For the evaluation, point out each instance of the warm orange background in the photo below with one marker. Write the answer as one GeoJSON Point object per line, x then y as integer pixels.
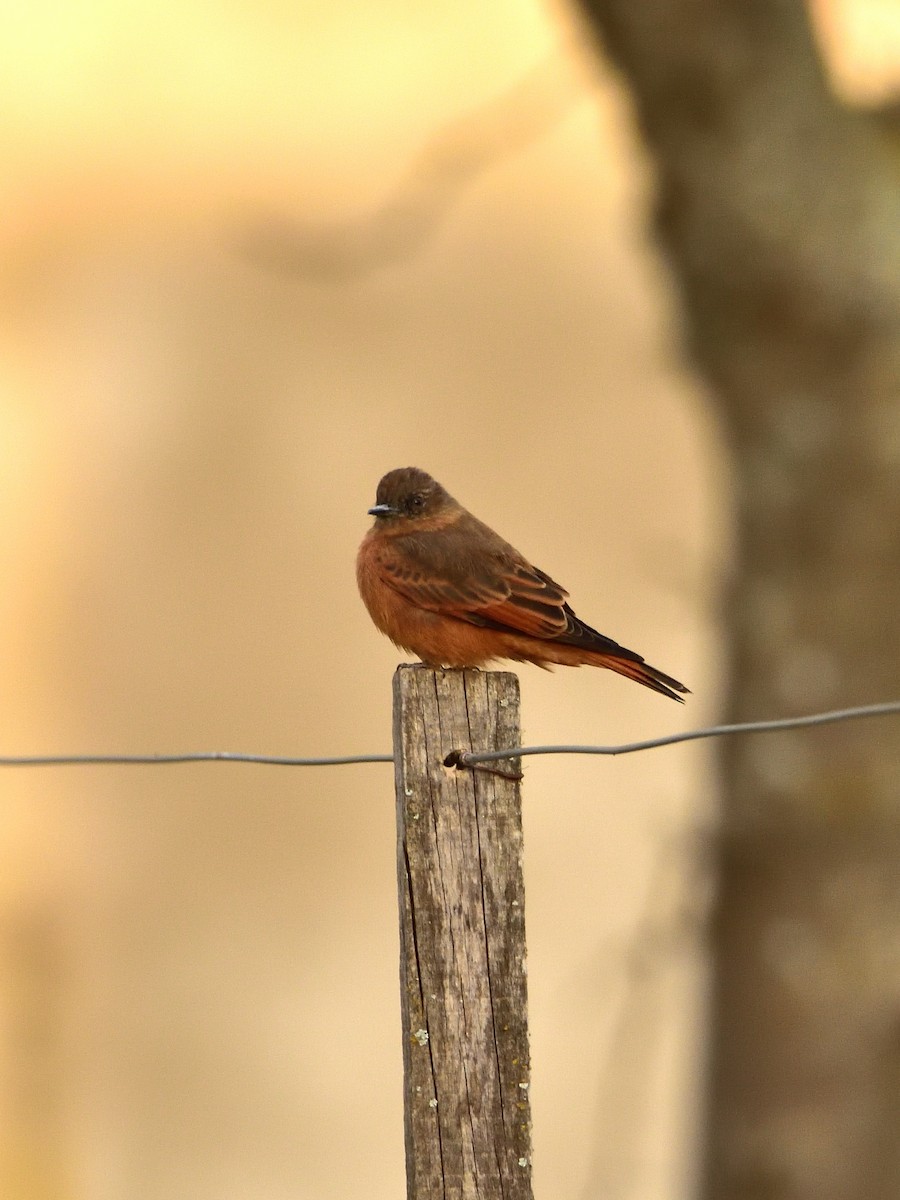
{"type": "Point", "coordinates": [198, 965]}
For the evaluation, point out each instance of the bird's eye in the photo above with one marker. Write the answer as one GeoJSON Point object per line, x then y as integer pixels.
{"type": "Point", "coordinates": [416, 501]}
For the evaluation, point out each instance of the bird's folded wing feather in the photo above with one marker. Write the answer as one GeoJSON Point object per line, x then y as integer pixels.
{"type": "Point", "coordinates": [500, 589]}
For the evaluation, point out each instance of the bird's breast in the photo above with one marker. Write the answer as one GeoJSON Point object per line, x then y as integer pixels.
{"type": "Point", "coordinates": [437, 638]}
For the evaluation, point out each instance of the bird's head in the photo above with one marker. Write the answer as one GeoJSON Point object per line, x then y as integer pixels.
{"type": "Point", "coordinates": [409, 494]}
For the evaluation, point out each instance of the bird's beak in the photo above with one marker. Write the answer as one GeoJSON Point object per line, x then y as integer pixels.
{"type": "Point", "coordinates": [381, 510]}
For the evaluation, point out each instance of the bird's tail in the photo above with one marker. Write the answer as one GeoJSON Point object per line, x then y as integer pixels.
{"type": "Point", "coordinates": [640, 672]}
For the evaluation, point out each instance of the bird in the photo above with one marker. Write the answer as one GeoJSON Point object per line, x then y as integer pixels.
{"type": "Point", "coordinates": [443, 585]}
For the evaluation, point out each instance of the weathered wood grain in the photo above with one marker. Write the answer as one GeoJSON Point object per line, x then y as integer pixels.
{"type": "Point", "coordinates": [462, 940]}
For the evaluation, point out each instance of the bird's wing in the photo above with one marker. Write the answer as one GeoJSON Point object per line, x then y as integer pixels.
{"type": "Point", "coordinates": [494, 587]}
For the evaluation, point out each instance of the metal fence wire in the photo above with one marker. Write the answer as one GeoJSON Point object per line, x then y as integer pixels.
{"type": "Point", "coordinates": [462, 758]}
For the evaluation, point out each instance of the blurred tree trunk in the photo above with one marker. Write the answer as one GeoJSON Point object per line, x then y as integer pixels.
{"type": "Point", "coordinates": [779, 211]}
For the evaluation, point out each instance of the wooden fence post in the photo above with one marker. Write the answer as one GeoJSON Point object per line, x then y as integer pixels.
{"type": "Point", "coordinates": [467, 1112]}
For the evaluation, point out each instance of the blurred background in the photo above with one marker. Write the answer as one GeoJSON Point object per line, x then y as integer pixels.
{"type": "Point", "coordinates": [251, 258]}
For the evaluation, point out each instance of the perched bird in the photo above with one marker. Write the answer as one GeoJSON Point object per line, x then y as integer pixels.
{"type": "Point", "coordinates": [442, 584]}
